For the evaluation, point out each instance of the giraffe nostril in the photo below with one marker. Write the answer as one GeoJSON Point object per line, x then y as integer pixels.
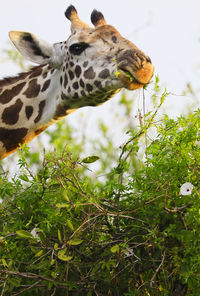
{"type": "Point", "coordinates": [148, 60]}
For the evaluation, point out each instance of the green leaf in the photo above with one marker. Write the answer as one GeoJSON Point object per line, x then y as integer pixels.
{"type": "Point", "coordinates": [24, 178]}
{"type": "Point", "coordinates": [62, 205]}
{"type": "Point", "coordinates": [117, 73]}
{"type": "Point", "coordinates": [59, 235]}
{"type": "Point", "coordinates": [70, 225]}
{"type": "Point", "coordinates": [4, 262]}
{"type": "Point", "coordinates": [130, 76]}
{"type": "Point", "coordinates": [62, 255]}
{"type": "Point", "coordinates": [115, 249]}
{"type": "Point", "coordinates": [24, 234]}
{"type": "Point", "coordinates": [53, 274]}
{"type": "Point", "coordinates": [90, 159]}
{"type": "Point", "coordinates": [56, 246]}
{"type": "Point", "coordinates": [40, 253]}
{"type": "Point", "coordinates": [74, 242]}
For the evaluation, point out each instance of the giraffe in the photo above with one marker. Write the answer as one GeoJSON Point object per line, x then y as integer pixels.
{"type": "Point", "coordinates": [87, 69]}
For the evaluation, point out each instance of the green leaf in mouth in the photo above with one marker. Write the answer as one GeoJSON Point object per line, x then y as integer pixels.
{"type": "Point", "coordinates": [129, 75]}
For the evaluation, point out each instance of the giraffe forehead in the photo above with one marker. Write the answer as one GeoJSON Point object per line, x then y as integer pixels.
{"type": "Point", "coordinates": [99, 33]}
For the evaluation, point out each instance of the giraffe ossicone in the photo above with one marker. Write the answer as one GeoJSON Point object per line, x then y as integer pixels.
{"type": "Point", "coordinates": [87, 69]}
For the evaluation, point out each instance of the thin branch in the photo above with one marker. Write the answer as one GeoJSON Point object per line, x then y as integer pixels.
{"type": "Point", "coordinates": [141, 132]}
{"type": "Point", "coordinates": [44, 255]}
{"type": "Point", "coordinates": [177, 209]}
{"type": "Point", "coordinates": [31, 275]}
{"type": "Point", "coordinates": [144, 116]}
{"type": "Point", "coordinates": [85, 222]}
{"type": "Point", "coordinates": [28, 288]}
{"type": "Point", "coordinates": [4, 285]}
{"type": "Point", "coordinates": [157, 269]}
{"type": "Point", "coordinates": [54, 292]}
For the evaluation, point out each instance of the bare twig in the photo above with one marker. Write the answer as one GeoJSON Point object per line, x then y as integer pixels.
{"type": "Point", "coordinates": [44, 255]}
{"type": "Point", "coordinates": [157, 269]}
{"type": "Point", "coordinates": [31, 275]}
{"type": "Point", "coordinates": [177, 209]}
{"type": "Point", "coordinates": [85, 222]}
{"type": "Point", "coordinates": [28, 288]}
{"type": "Point", "coordinates": [4, 285]}
{"type": "Point", "coordinates": [141, 132]}
{"type": "Point", "coordinates": [54, 292]}
{"type": "Point", "coordinates": [144, 114]}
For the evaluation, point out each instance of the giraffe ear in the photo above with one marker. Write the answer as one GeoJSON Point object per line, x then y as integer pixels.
{"type": "Point", "coordinates": [32, 48]}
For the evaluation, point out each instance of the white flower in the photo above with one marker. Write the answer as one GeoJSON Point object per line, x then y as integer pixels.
{"type": "Point", "coordinates": [186, 189]}
{"type": "Point", "coordinates": [129, 252]}
{"type": "Point", "coordinates": [34, 233]}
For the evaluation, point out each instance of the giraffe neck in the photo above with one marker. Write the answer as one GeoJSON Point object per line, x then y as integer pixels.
{"type": "Point", "coordinates": [34, 100]}
{"type": "Point", "coordinates": [28, 105]}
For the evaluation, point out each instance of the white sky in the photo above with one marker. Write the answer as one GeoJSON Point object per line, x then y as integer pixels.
{"type": "Point", "coordinates": [167, 30]}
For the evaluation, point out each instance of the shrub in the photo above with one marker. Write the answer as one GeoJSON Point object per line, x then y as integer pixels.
{"type": "Point", "coordinates": [129, 232]}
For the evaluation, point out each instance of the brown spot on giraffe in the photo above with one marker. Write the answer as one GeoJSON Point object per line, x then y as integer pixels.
{"type": "Point", "coordinates": [44, 75]}
{"type": "Point", "coordinates": [98, 84]}
{"type": "Point", "coordinates": [85, 64]}
{"type": "Point", "coordinates": [61, 111]}
{"type": "Point", "coordinates": [71, 75]}
{"type": "Point", "coordinates": [64, 97]}
{"type": "Point", "coordinates": [37, 72]}
{"type": "Point", "coordinates": [89, 73]}
{"type": "Point", "coordinates": [75, 96]}
{"type": "Point", "coordinates": [32, 90]}
{"type": "Point", "coordinates": [46, 85]}
{"type": "Point", "coordinates": [29, 111]}
{"type": "Point", "coordinates": [89, 87]}
{"type": "Point", "coordinates": [78, 71]}
{"type": "Point", "coordinates": [65, 80]}
{"type": "Point", "coordinates": [41, 109]}
{"type": "Point", "coordinates": [104, 74]}
{"type": "Point", "coordinates": [11, 138]}
{"type": "Point", "coordinates": [9, 94]}
{"type": "Point", "coordinates": [82, 84]}
{"type": "Point", "coordinates": [10, 115]}
{"type": "Point", "coordinates": [75, 85]}
{"type": "Point", "coordinates": [83, 94]}
{"type": "Point", "coordinates": [114, 39]}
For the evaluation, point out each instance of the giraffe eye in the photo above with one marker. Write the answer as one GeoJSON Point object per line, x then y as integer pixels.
{"type": "Point", "coordinates": [78, 48]}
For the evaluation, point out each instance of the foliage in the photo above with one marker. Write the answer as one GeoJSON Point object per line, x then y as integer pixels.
{"type": "Point", "coordinates": [95, 219]}
{"type": "Point", "coordinates": [128, 232]}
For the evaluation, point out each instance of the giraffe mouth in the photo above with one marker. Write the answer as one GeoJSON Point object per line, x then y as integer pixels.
{"type": "Point", "coordinates": [130, 76]}
{"type": "Point", "coordinates": [134, 78]}
{"type": "Point", "coordinates": [128, 79]}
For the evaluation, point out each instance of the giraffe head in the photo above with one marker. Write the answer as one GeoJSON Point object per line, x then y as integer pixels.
{"type": "Point", "coordinates": [94, 62]}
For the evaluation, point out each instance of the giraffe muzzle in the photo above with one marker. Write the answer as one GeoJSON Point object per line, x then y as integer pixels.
{"type": "Point", "coordinates": [135, 70]}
